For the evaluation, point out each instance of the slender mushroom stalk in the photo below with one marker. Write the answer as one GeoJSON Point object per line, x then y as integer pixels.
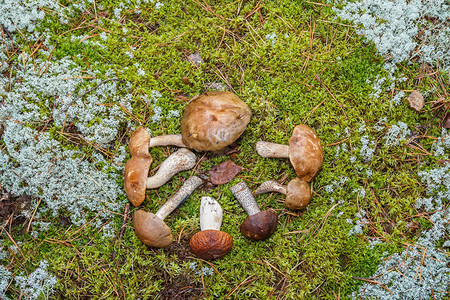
{"type": "Point", "coordinates": [270, 186]}
{"type": "Point", "coordinates": [167, 140]}
{"type": "Point", "coordinates": [259, 225]}
{"type": "Point", "coordinates": [298, 192]}
{"type": "Point", "coordinates": [136, 169]}
{"type": "Point", "coordinates": [304, 151]}
{"type": "Point", "coordinates": [267, 149]}
{"type": "Point", "coordinates": [210, 122]}
{"type": "Point", "coordinates": [150, 228]}
{"type": "Point", "coordinates": [210, 243]}
{"type": "Point", "coordinates": [181, 160]}
{"type": "Point", "coordinates": [188, 187]}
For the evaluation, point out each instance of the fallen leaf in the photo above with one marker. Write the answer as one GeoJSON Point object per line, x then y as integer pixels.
{"type": "Point", "coordinates": [415, 100]}
{"type": "Point", "coordinates": [224, 172]}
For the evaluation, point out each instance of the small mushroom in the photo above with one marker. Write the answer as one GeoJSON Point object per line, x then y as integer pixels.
{"type": "Point", "coordinates": [259, 225]}
{"type": "Point", "coordinates": [304, 151]}
{"type": "Point", "coordinates": [298, 192]}
{"type": "Point", "coordinates": [181, 160]}
{"type": "Point", "coordinates": [210, 243]}
{"type": "Point", "coordinates": [150, 228]}
{"type": "Point", "coordinates": [136, 169]}
{"type": "Point", "coordinates": [210, 122]}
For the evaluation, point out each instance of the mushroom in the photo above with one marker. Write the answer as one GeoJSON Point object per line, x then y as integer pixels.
{"type": "Point", "coordinates": [210, 122]}
{"type": "Point", "coordinates": [298, 192]}
{"type": "Point", "coordinates": [181, 160]}
{"type": "Point", "coordinates": [259, 225]}
{"type": "Point", "coordinates": [150, 228]}
{"type": "Point", "coordinates": [136, 169]}
{"type": "Point", "coordinates": [304, 151]}
{"type": "Point", "coordinates": [210, 243]}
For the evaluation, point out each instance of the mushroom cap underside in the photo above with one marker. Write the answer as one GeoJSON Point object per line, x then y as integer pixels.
{"type": "Point", "coordinates": [214, 120]}
{"type": "Point", "coordinates": [136, 172]}
{"type": "Point", "coordinates": [151, 230]}
{"type": "Point", "coordinates": [305, 152]}
{"type": "Point", "coordinates": [259, 226]}
{"type": "Point", "coordinates": [298, 194]}
{"type": "Point", "coordinates": [211, 244]}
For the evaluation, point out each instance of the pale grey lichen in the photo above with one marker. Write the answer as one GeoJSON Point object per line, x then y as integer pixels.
{"type": "Point", "coordinates": [402, 30]}
{"type": "Point", "coordinates": [396, 134]}
{"type": "Point", "coordinates": [37, 284]}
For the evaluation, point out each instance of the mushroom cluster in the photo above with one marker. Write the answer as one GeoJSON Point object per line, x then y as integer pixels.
{"type": "Point", "coordinates": [211, 122]}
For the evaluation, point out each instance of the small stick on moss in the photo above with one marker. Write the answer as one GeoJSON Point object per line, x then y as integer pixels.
{"type": "Point", "coordinates": [124, 220]}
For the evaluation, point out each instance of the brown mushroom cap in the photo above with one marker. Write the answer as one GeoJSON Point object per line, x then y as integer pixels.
{"type": "Point", "coordinates": [259, 226]}
{"type": "Point", "coordinates": [298, 194]}
{"type": "Point", "coordinates": [139, 142]}
{"type": "Point", "coordinates": [305, 152]}
{"type": "Point", "coordinates": [214, 120]}
{"type": "Point", "coordinates": [151, 229]}
{"type": "Point", "coordinates": [211, 244]}
{"type": "Point", "coordinates": [136, 169]}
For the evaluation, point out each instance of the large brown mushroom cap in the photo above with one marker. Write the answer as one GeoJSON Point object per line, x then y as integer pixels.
{"type": "Point", "coordinates": [139, 142]}
{"type": "Point", "coordinates": [298, 194]}
{"type": "Point", "coordinates": [136, 169]}
{"type": "Point", "coordinates": [136, 172]}
{"type": "Point", "coordinates": [214, 120]}
{"type": "Point", "coordinates": [151, 229]}
{"type": "Point", "coordinates": [211, 244]}
{"type": "Point", "coordinates": [259, 226]}
{"type": "Point", "coordinates": [305, 152]}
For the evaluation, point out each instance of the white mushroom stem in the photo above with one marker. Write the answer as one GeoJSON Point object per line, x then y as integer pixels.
{"type": "Point", "coordinates": [210, 214]}
{"type": "Point", "coordinates": [244, 195]}
{"type": "Point", "coordinates": [167, 140]}
{"type": "Point", "coordinates": [181, 160]}
{"type": "Point", "coordinates": [188, 187]}
{"type": "Point", "coordinates": [270, 186]}
{"type": "Point", "coordinates": [267, 149]}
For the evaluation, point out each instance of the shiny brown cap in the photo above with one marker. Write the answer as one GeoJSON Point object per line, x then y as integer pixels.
{"type": "Point", "coordinates": [136, 169]}
{"type": "Point", "coordinates": [211, 244]}
{"type": "Point", "coordinates": [305, 152]}
{"type": "Point", "coordinates": [298, 194]}
{"type": "Point", "coordinates": [260, 226]}
{"type": "Point", "coordinates": [139, 142]}
{"type": "Point", "coordinates": [151, 230]}
{"type": "Point", "coordinates": [214, 120]}
{"type": "Point", "coordinates": [136, 173]}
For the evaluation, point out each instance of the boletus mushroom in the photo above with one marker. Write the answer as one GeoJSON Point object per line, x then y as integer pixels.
{"type": "Point", "coordinates": [136, 169]}
{"type": "Point", "coordinates": [210, 243]}
{"type": "Point", "coordinates": [259, 225]}
{"type": "Point", "coordinates": [304, 152]}
{"type": "Point", "coordinates": [210, 122]}
{"type": "Point", "coordinates": [150, 228]}
{"type": "Point", "coordinates": [297, 191]}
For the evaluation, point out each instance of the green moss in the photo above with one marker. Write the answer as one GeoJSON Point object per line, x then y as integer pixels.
{"type": "Point", "coordinates": [311, 255]}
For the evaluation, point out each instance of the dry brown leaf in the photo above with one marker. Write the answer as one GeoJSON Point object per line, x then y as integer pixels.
{"type": "Point", "coordinates": [224, 172]}
{"type": "Point", "coordinates": [415, 100]}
